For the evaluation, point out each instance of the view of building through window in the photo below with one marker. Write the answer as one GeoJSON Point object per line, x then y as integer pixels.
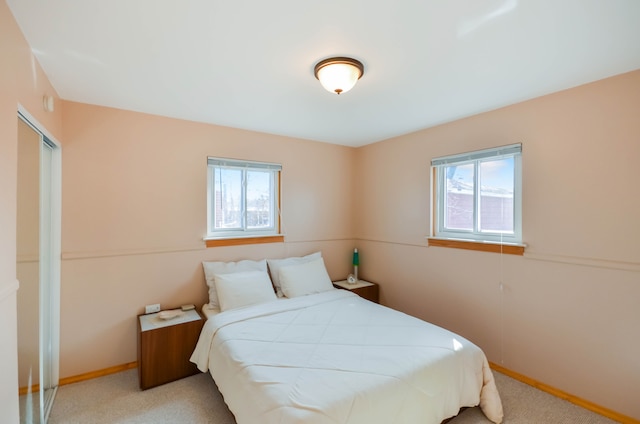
{"type": "Point", "coordinates": [231, 199]}
{"type": "Point", "coordinates": [495, 200]}
{"type": "Point", "coordinates": [477, 195]}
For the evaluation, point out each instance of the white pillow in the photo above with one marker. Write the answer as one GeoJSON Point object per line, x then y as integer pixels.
{"type": "Point", "coordinates": [276, 264]}
{"type": "Point", "coordinates": [213, 268]}
{"type": "Point", "coordinates": [306, 278]}
{"type": "Point", "coordinates": [243, 288]}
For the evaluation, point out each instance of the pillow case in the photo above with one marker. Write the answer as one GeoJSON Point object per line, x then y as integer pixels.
{"type": "Point", "coordinates": [306, 278]}
{"type": "Point", "coordinates": [212, 268]}
{"type": "Point", "coordinates": [276, 264]}
{"type": "Point", "coordinates": [243, 289]}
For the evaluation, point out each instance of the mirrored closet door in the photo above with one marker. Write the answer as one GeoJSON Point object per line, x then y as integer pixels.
{"type": "Point", "coordinates": [38, 269]}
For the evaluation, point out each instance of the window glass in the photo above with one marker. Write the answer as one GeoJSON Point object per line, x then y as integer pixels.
{"type": "Point", "coordinates": [227, 198]}
{"type": "Point", "coordinates": [497, 184]}
{"type": "Point", "coordinates": [243, 199]}
{"type": "Point", "coordinates": [477, 195]}
{"type": "Point", "coordinates": [259, 188]}
{"type": "Point", "coordinates": [459, 197]}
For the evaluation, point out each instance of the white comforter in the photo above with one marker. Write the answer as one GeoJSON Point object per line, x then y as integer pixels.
{"type": "Point", "coordinates": [336, 358]}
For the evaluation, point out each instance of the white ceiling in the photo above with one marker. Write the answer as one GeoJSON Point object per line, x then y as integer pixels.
{"type": "Point", "coordinates": [249, 63]}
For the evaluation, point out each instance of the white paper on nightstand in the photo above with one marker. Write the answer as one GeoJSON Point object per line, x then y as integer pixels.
{"type": "Point", "coordinates": [356, 285]}
{"type": "Point", "coordinates": [152, 321]}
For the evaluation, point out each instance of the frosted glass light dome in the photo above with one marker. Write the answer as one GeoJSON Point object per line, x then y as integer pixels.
{"type": "Point", "coordinates": [338, 74]}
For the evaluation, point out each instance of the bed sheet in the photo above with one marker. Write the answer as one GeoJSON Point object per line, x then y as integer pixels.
{"type": "Point", "coordinates": [334, 357]}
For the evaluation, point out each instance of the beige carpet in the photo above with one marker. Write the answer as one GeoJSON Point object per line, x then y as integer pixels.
{"type": "Point", "coordinates": [117, 399]}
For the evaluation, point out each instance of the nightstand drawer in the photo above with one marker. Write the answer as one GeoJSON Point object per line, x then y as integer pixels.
{"type": "Point", "coordinates": [165, 346]}
{"type": "Point", "coordinates": [364, 289]}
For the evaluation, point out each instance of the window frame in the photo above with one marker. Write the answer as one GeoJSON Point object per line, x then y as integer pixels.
{"type": "Point", "coordinates": [243, 235]}
{"type": "Point", "coordinates": [438, 185]}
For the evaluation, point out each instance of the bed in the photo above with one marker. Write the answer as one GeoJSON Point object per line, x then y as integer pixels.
{"type": "Point", "coordinates": [309, 353]}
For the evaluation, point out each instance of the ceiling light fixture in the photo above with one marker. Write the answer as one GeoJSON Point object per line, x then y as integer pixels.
{"type": "Point", "coordinates": [338, 74]}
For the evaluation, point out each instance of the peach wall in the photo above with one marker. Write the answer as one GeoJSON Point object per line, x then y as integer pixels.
{"type": "Point", "coordinates": [134, 215]}
{"type": "Point", "coordinates": [132, 229]}
{"type": "Point", "coordinates": [21, 82]}
{"type": "Point", "coordinates": [568, 315]}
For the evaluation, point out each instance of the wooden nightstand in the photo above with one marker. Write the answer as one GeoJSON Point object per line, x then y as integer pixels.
{"type": "Point", "coordinates": [365, 289]}
{"type": "Point", "coordinates": [165, 346]}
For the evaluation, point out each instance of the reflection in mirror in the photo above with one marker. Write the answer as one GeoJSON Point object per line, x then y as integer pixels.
{"type": "Point", "coordinates": [28, 271]}
{"type": "Point", "coordinates": [36, 298]}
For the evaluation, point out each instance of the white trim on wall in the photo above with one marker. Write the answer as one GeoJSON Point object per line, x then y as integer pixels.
{"type": "Point", "coordinates": [583, 261]}
{"type": "Point", "coordinates": [67, 256]}
{"type": "Point", "coordinates": [548, 257]}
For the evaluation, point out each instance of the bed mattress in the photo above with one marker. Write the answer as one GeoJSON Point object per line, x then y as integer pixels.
{"type": "Point", "coordinates": [334, 357]}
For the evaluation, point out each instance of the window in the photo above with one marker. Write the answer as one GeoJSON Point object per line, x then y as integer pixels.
{"type": "Point", "coordinates": [243, 199]}
{"type": "Point", "coordinates": [477, 195]}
